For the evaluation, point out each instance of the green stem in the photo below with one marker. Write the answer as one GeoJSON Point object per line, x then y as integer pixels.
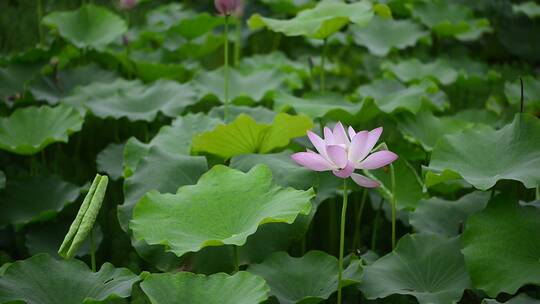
{"type": "Point", "coordinates": [538, 193]}
{"type": "Point", "coordinates": [92, 251]}
{"type": "Point", "coordinates": [323, 62]}
{"type": "Point", "coordinates": [236, 260]}
{"type": "Point", "coordinates": [39, 17]}
{"type": "Point", "coordinates": [342, 238]}
{"type": "Point", "coordinates": [358, 220]}
{"type": "Point", "coordinates": [238, 42]}
{"type": "Point", "coordinates": [393, 182]}
{"type": "Point", "coordinates": [226, 69]}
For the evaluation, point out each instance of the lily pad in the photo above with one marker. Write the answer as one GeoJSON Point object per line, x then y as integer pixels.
{"type": "Point", "coordinates": [529, 8]}
{"type": "Point", "coordinates": [391, 95]}
{"type": "Point", "coordinates": [445, 217]}
{"type": "Point", "coordinates": [427, 129]}
{"type": "Point", "coordinates": [110, 160]}
{"type": "Point", "coordinates": [52, 88]}
{"type": "Point", "coordinates": [159, 171]}
{"type": "Point", "coordinates": [288, 6]}
{"type": "Point", "coordinates": [42, 279]}
{"type": "Point", "coordinates": [198, 25]}
{"type": "Point", "coordinates": [89, 26]}
{"type": "Point", "coordinates": [34, 199]}
{"type": "Point", "coordinates": [516, 157]}
{"type": "Point", "coordinates": [448, 18]}
{"type": "Point", "coordinates": [29, 130]}
{"type": "Point", "coordinates": [531, 92]}
{"type": "Point", "coordinates": [328, 17]}
{"type": "Point", "coordinates": [174, 139]}
{"type": "Point", "coordinates": [308, 279]}
{"type": "Point", "coordinates": [219, 288]}
{"type": "Point", "coordinates": [205, 215]}
{"type": "Point", "coordinates": [286, 173]}
{"type": "Point", "coordinates": [254, 85]}
{"type": "Point", "coordinates": [500, 246]}
{"type": "Point", "coordinates": [414, 69]}
{"type": "Point", "coordinates": [429, 267]}
{"type": "Point", "coordinates": [383, 35]}
{"type": "Point", "coordinates": [13, 78]}
{"type": "Point", "coordinates": [318, 105]}
{"type": "Point", "coordinates": [133, 99]}
{"type": "Point", "coordinates": [245, 135]}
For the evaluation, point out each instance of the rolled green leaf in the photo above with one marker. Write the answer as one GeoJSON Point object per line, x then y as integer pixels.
{"type": "Point", "coordinates": [85, 219]}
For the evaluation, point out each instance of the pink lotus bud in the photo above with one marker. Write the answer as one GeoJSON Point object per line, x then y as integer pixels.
{"type": "Point", "coordinates": [228, 7]}
{"type": "Point", "coordinates": [128, 4]}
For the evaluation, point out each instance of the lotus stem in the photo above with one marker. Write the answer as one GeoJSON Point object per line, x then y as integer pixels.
{"type": "Point", "coordinates": [226, 69]}
{"type": "Point", "coordinates": [323, 62]}
{"type": "Point", "coordinates": [375, 225]}
{"type": "Point", "coordinates": [358, 221]}
{"type": "Point", "coordinates": [235, 258]}
{"type": "Point", "coordinates": [393, 202]}
{"type": "Point", "coordinates": [39, 17]}
{"type": "Point", "coordinates": [342, 238]}
{"type": "Point", "coordinates": [92, 251]}
{"type": "Point", "coordinates": [522, 101]}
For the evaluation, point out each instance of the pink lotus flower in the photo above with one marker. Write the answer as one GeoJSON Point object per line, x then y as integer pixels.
{"type": "Point", "coordinates": [342, 153]}
{"type": "Point", "coordinates": [128, 4]}
{"type": "Point", "coordinates": [228, 7]}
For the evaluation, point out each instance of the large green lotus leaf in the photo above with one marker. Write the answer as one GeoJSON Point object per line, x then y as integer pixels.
{"type": "Point", "coordinates": [33, 199]}
{"type": "Point", "coordinates": [48, 236]}
{"type": "Point", "coordinates": [391, 95]}
{"type": "Point", "coordinates": [14, 77]}
{"type": "Point", "coordinates": [44, 280]}
{"type": "Point", "coordinates": [500, 245]}
{"type": "Point", "coordinates": [173, 139]}
{"type": "Point", "coordinates": [219, 288]}
{"type": "Point", "coordinates": [427, 129]}
{"type": "Point", "coordinates": [409, 187]}
{"type": "Point", "coordinates": [413, 69]}
{"type": "Point", "coordinates": [529, 8]}
{"type": "Point", "coordinates": [254, 85]}
{"type": "Point", "coordinates": [515, 154]}
{"type": "Point", "coordinates": [162, 18]}
{"type": "Point", "coordinates": [259, 113]}
{"type": "Point", "coordinates": [110, 160]}
{"type": "Point", "coordinates": [29, 130]}
{"type": "Point", "coordinates": [89, 26]}
{"type": "Point", "coordinates": [328, 17]}
{"type": "Point", "coordinates": [51, 88]}
{"type": "Point", "coordinates": [519, 299]}
{"type": "Point", "coordinates": [318, 105]}
{"type": "Point", "coordinates": [448, 18]}
{"type": "Point", "coordinates": [133, 99]}
{"type": "Point", "coordinates": [436, 215]}
{"type": "Point", "coordinates": [286, 173]}
{"type": "Point", "coordinates": [205, 215]}
{"type": "Point", "coordinates": [531, 92]}
{"type": "Point", "coordinates": [429, 267]}
{"type": "Point", "coordinates": [294, 72]}
{"type": "Point", "coordinates": [382, 35]}
{"type": "Point", "coordinates": [161, 171]}
{"type": "Point", "coordinates": [308, 279]}
{"type": "Point", "coordinates": [288, 6]}
{"type": "Point", "coordinates": [191, 28]}
{"type": "Point", "coordinates": [244, 135]}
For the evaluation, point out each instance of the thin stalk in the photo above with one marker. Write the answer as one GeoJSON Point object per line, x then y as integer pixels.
{"type": "Point", "coordinates": [342, 238]}
{"type": "Point", "coordinates": [522, 101]}
{"type": "Point", "coordinates": [323, 62]}
{"type": "Point", "coordinates": [226, 69]}
{"type": "Point", "coordinates": [92, 251]}
{"type": "Point", "coordinates": [358, 221]}
{"type": "Point", "coordinates": [538, 193]}
{"type": "Point", "coordinates": [393, 181]}
{"type": "Point", "coordinates": [236, 260]}
{"type": "Point", "coordinates": [39, 17]}
{"type": "Point", "coordinates": [238, 42]}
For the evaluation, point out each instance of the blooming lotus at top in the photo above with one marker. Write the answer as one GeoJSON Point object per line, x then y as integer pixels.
{"type": "Point", "coordinates": [228, 7]}
{"type": "Point", "coordinates": [342, 152]}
